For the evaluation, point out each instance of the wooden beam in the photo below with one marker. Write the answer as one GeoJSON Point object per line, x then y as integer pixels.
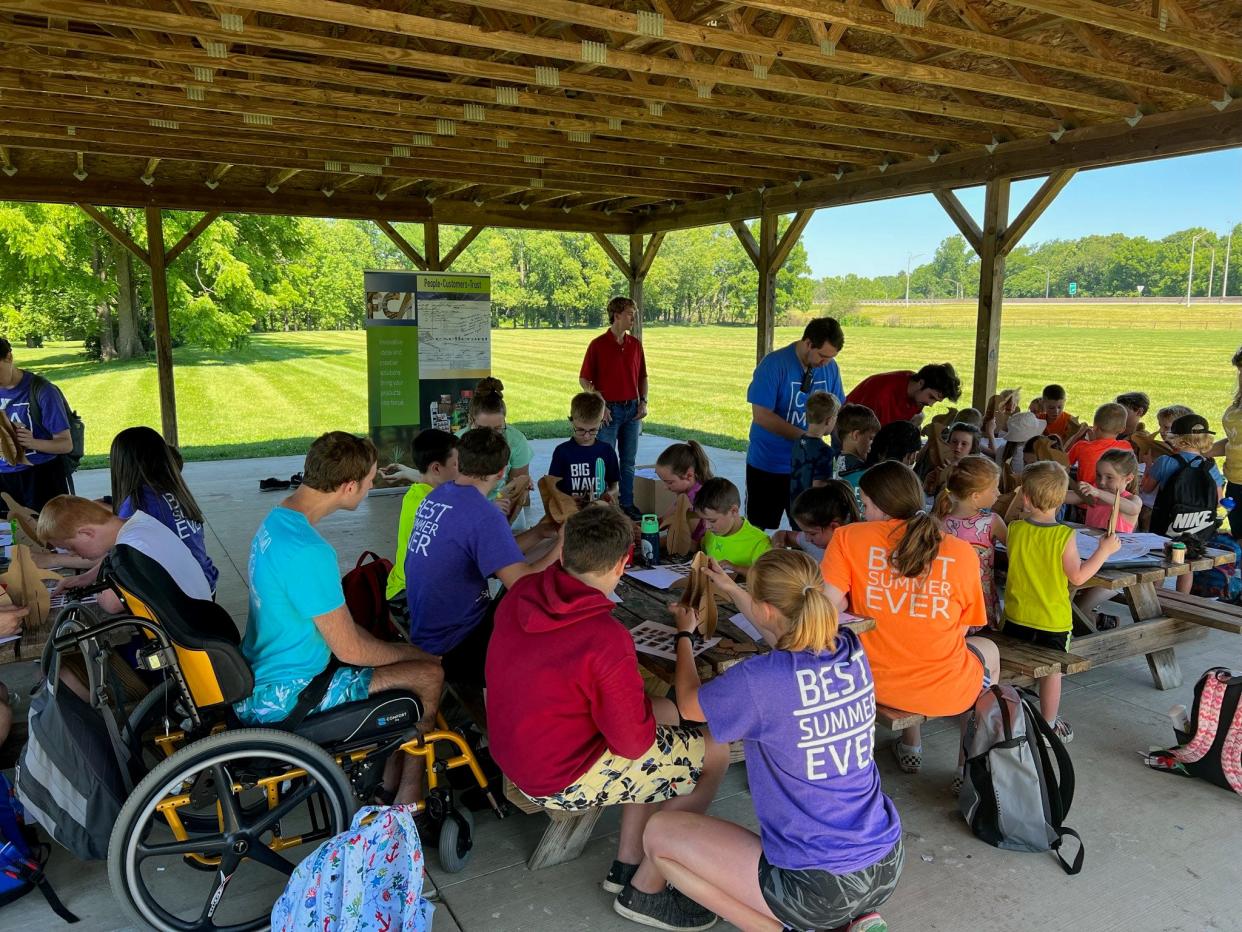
{"type": "Point", "coordinates": [460, 246]}
{"type": "Point", "coordinates": [1133, 24]}
{"type": "Point", "coordinates": [431, 246]}
{"type": "Point", "coordinates": [163, 331]}
{"type": "Point", "coordinates": [404, 245]}
{"type": "Point", "coordinates": [1034, 209]}
{"type": "Point", "coordinates": [961, 217]}
{"type": "Point", "coordinates": [636, 281]}
{"type": "Point", "coordinates": [991, 291]}
{"type": "Point", "coordinates": [790, 237]}
{"type": "Point", "coordinates": [190, 236]}
{"type": "Point", "coordinates": [649, 254]}
{"type": "Point", "coordinates": [765, 322]}
{"type": "Point", "coordinates": [148, 173]}
{"type": "Point", "coordinates": [1220, 69]}
{"type": "Point", "coordinates": [615, 256]}
{"type": "Point", "coordinates": [747, 239]}
{"type": "Point", "coordinates": [116, 232]}
{"type": "Point", "coordinates": [217, 173]}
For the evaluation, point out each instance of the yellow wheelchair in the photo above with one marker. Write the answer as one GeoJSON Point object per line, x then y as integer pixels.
{"type": "Point", "coordinates": [219, 810]}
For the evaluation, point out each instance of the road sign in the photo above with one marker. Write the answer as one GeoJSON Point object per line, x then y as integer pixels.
{"type": "Point", "coordinates": [1073, 289]}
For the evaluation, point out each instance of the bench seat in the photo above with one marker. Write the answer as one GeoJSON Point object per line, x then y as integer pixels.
{"type": "Point", "coordinates": [1223, 616]}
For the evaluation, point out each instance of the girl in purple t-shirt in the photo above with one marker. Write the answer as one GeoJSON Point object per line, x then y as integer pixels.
{"type": "Point", "coordinates": [829, 850]}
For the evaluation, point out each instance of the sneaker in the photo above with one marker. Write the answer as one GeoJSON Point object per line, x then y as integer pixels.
{"type": "Point", "coordinates": [619, 876]}
{"type": "Point", "coordinates": [871, 922]}
{"type": "Point", "coordinates": [909, 759]}
{"type": "Point", "coordinates": [663, 910]}
{"type": "Point", "coordinates": [1063, 730]}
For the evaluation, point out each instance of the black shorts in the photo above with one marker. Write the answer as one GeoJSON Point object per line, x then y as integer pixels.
{"type": "Point", "coordinates": [767, 497]}
{"type": "Point", "coordinates": [814, 899]}
{"type": "Point", "coordinates": [1053, 640]}
{"type": "Point", "coordinates": [36, 486]}
{"type": "Point", "coordinates": [464, 664]}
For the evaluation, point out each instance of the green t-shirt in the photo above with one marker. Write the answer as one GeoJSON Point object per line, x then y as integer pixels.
{"type": "Point", "coordinates": [405, 527]}
{"type": "Point", "coordinates": [741, 548]}
{"type": "Point", "coordinates": [519, 455]}
{"type": "Point", "coordinates": [1037, 590]}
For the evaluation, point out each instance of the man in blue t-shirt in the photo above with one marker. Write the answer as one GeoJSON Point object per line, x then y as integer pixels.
{"type": "Point", "coordinates": [459, 541]}
{"type": "Point", "coordinates": [298, 617]}
{"type": "Point", "coordinates": [777, 394]}
{"type": "Point", "coordinates": [36, 409]}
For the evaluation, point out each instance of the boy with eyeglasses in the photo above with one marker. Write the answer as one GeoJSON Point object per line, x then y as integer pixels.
{"type": "Point", "coordinates": [585, 466]}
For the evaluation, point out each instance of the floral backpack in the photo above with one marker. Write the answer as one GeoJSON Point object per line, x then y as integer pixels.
{"type": "Point", "coordinates": [368, 877]}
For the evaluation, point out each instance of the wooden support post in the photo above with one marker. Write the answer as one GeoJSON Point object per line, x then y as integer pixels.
{"type": "Point", "coordinates": [991, 291]}
{"type": "Point", "coordinates": [1035, 208]}
{"type": "Point", "coordinates": [403, 244]}
{"type": "Point", "coordinates": [163, 333]}
{"type": "Point", "coordinates": [431, 246]}
{"type": "Point", "coordinates": [765, 321]}
{"type": "Point", "coordinates": [636, 281]}
{"type": "Point", "coordinates": [459, 247]}
{"type": "Point", "coordinates": [190, 236]}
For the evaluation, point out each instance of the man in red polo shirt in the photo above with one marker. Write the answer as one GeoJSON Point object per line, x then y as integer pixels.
{"type": "Point", "coordinates": [615, 367]}
{"type": "Point", "coordinates": [902, 395]}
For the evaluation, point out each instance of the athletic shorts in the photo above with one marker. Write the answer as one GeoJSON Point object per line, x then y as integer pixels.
{"type": "Point", "coordinates": [273, 703]}
{"type": "Point", "coordinates": [1053, 640]}
{"type": "Point", "coordinates": [671, 767]}
{"type": "Point", "coordinates": [815, 899]}
{"type": "Point", "coordinates": [767, 497]}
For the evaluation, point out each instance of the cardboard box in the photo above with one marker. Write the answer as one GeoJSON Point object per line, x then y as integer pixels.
{"type": "Point", "coordinates": [650, 495]}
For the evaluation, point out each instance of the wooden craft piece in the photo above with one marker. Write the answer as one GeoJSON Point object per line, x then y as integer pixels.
{"type": "Point", "coordinates": [1047, 451]}
{"type": "Point", "coordinates": [25, 586]}
{"type": "Point", "coordinates": [27, 518]}
{"type": "Point", "coordinates": [1149, 445]}
{"type": "Point", "coordinates": [680, 539]}
{"type": "Point", "coordinates": [516, 490]}
{"type": "Point", "coordinates": [557, 505]}
{"type": "Point", "coordinates": [1001, 407]}
{"type": "Point", "coordinates": [11, 450]}
{"type": "Point", "coordinates": [700, 595]}
{"type": "Point", "coordinates": [1112, 518]}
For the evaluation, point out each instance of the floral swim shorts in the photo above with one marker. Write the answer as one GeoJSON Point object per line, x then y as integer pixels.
{"type": "Point", "coordinates": [670, 767]}
{"type": "Point", "coordinates": [273, 703]}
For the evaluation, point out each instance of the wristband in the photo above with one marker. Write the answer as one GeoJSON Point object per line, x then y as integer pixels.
{"type": "Point", "coordinates": [688, 635]}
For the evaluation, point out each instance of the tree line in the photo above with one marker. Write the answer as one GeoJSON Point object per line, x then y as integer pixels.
{"type": "Point", "coordinates": [1100, 266]}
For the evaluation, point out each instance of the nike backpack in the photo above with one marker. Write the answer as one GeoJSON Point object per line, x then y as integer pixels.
{"type": "Point", "coordinates": [1186, 504]}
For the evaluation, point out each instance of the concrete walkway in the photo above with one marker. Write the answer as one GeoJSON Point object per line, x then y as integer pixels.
{"type": "Point", "coordinates": [1161, 851]}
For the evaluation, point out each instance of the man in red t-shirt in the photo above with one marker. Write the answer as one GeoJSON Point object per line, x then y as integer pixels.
{"type": "Point", "coordinates": [615, 367]}
{"type": "Point", "coordinates": [568, 719]}
{"type": "Point", "coordinates": [902, 395]}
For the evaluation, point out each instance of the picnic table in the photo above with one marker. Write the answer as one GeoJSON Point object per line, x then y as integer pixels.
{"type": "Point", "coordinates": [1156, 630]}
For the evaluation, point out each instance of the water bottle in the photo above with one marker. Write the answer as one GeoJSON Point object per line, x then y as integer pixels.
{"type": "Point", "coordinates": [650, 528]}
{"type": "Point", "coordinates": [1228, 503]}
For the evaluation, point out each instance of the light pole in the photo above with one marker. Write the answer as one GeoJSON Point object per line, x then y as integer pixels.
{"type": "Point", "coordinates": [1190, 277]}
{"type": "Point", "coordinates": [957, 285]}
{"type": "Point", "coordinates": [1047, 281]}
{"type": "Point", "coordinates": [1224, 281]}
{"type": "Point", "coordinates": [1212, 272]}
{"type": "Point", "coordinates": [910, 257]}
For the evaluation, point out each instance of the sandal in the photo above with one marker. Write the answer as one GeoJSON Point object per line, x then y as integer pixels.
{"type": "Point", "coordinates": [909, 759]}
{"type": "Point", "coordinates": [1063, 730]}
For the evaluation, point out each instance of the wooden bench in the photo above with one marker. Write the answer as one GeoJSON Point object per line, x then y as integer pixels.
{"type": "Point", "coordinates": [567, 832]}
{"type": "Point", "coordinates": [1021, 665]}
{"type": "Point", "coordinates": [1222, 616]}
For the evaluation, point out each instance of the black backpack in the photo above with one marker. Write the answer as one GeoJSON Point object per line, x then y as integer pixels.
{"type": "Point", "coordinates": [1186, 504]}
{"type": "Point", "coordinates": [1212, 749]}
{"type": "Point", "coordinates": [39, 388]}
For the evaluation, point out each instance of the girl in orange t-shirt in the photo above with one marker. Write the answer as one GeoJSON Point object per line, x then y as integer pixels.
{"type": "Point", "coordinates": [922, 588]}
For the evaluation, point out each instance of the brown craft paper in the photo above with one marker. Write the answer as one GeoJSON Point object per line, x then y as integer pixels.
{"type": "Point", "coordinates": [24, 584]}
{"type": "Point", "coordinates": [1001, 407]}
{"type": "Point", "coordinates": [516, 490]}
{"type": "Point", "coordinates": [700, 595]}
{"type": "Point", "coordinates": [1112, 518]}
{"type": "Point", "coordinates": [1045, 451]}
{"type": "Point", "coordinates": [680, 539]}
{"type": "Point", "coordinates": [1149, 444]}
{"type": "Point", "coordinates": [27, 518]}
{"type": "Point", "coordinates": [557, 505]}
{"type": "Point", "coordinates": [11, 449]}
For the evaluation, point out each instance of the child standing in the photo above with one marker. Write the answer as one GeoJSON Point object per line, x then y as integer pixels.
{"type": "Point", "coordinates": [683, 468]}
{"type": "Point", "coordinates": [961, 440]}
{"type": "Point", "coordinates": [1116, 476]}
{"type": "Point", "coordinates": [730, 538]}
{"type": "Point", "coordinates": [585, 466]}
{"type": "Point", "coordinates": [1043, 565]}
{"type": "Point", "coordinates": [1108, 424]}
{"type": "Point", "coordinates": [811, 463]}
{"type": "Point", "coordinates": [857, 427]}
{"type": "Point", "coordinates": [819, 512]}
{"type": "Point", "coordinates": [964, 508]}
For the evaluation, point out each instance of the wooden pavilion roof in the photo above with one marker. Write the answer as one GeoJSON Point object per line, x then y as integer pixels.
{"type": "Point", "coordinates": [623, 116]}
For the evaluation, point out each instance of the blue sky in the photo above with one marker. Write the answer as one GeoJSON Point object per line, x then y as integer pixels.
{"type": "Point", "coordinates": [1150, 199]}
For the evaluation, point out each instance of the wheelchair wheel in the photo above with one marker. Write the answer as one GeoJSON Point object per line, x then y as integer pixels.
{"type": "Point", "coordinates": [456, 845]}
{"type": "Point", "coordinates": [277, 796]}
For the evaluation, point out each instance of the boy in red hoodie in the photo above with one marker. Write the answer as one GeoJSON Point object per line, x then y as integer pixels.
{"type": "Point", "coordinates": [569, 722]}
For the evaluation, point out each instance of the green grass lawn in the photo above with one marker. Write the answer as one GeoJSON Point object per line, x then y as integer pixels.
{"type": "Point", "coordinates": [284, 389]}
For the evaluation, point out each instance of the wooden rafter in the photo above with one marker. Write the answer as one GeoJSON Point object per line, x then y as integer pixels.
{"type": "Point", "coordinates": [961, 217]}
{"type": "Point", "coordinates": [460, 246]}
{"type": "Point", "coordinates": [190, 236]}
{"type": "Point", "coordinates": [116, 232]}
{"type": "Point", "coordinates": [1034, 209]}
{"type": "Point", "coordinates": [406, 247]}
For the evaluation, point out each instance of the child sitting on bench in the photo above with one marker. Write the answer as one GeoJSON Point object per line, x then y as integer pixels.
{"type": "Point", "coordinates": [1107, 426]}
{"type": "Point", "coordinates": [1116, 475]}
{"type": "Point", "coordinates": [819, 512]}
{"type": "Point", "coordinates": [1043, 565]}
{"type": "Point", "coordinates": [730, 538]}
{"type": "Point", "coordinates": [683, 468]}
{"type": "Point", "coordinates": [964, 507]}
{"type": "Point", "coordinates": [828, 852]}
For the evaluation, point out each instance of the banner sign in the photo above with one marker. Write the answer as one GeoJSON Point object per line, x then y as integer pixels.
{"type": "Point", "coordinates": [428, 343]}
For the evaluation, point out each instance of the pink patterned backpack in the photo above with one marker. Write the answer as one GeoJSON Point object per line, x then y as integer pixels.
{"type": "Point", "coordinates": [1212, 749]}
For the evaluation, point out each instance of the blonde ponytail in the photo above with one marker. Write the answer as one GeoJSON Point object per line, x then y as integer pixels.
{"type": "Point", "coordinates": [896, 491]}
{"type": "Point", "coordinates": [790, 582]}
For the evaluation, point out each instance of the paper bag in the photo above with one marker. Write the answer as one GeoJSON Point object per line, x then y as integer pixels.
{"type": "Point", "coordinates": [680, 539]}
{"type": "Point", "coordinates": [700, 595]}
{"type": "Point", "coordinates": [25, 586]}
{"type": "Point", "coordinates": [27, 518]}
{"type": "Point", "coordinates": [1001, 407]}
{"type": "Point", "coordinates": [557, 505]}
{"type": "Point", "coordinates": [11, 449]}
{"type": "Point", "coordinates": [1046, 451]}
{"type": "Point", "coordinates": [517, 491]}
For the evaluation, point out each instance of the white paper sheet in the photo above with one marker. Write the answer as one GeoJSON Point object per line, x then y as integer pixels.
{"type": "Point", "coordinates": [662, 577]}
{"type": "Point", "coordinates": [613, 597]}
{"type": "Point", "coordinates": [1132, 551]}
{"type": "Point", "coordinates": [744, 623]}
{"type": "Point", "coordinates": [660, 641]}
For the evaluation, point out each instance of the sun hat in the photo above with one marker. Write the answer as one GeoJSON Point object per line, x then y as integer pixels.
{"type": "Point", "coordinates": [1023, 426]}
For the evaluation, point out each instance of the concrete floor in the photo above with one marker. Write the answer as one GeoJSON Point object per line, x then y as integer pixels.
{"type": "Point", "coordinates": [1161, 851]}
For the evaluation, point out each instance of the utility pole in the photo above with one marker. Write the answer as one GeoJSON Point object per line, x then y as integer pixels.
{"type": "Point", "coordinates": [910, 257]}
{"type": "Point", "coordinates": [1047, 281]}
{"type": "Point", "coordinates": [1191, 277]}
{"type": "Point", "coordinates": [1224, 281]}
{"type": "Point", "coordinates": [1211, 272]}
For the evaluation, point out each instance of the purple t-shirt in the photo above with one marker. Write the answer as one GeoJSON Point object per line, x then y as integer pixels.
{"type": "Point", "coordinates": [15, 403]}
{"type": "Point", "coordinates": [459, 539]}
{"type": "Point", "coordinates": [577, 467]}
{"type": "Point", "coordinates": [809, 725]}
{"type": "Point", "coordinates": [167, 511]}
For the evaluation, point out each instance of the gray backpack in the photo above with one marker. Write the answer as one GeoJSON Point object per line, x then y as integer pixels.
{"type": "Point", "coordinates": [1017, 788]}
